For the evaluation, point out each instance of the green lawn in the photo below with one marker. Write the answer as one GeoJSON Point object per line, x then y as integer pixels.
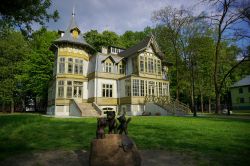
{"type": "Point", "coordinates": [222, 141]}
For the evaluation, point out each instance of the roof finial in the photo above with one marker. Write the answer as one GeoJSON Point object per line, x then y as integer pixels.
{"type": "Point", "coordinates": [73, 13]}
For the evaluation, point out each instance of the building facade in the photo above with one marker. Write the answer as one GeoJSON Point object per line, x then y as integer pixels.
{"type": "Point", "coordinates": [240, 94]}
{"type": "Point", "coordinates": [88, 83]}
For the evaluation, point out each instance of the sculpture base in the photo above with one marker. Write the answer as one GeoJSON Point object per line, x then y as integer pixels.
{"type": "Point", "coordinates": [114, 150]}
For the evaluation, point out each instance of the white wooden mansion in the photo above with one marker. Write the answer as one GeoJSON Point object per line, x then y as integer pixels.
{"type": "Point", "coordinates": [86, 83]}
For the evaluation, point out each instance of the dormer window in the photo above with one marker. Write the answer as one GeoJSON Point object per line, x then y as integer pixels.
{"type": "Point", "coordinates": [121, 68]}
{"type": "Point", "coordinates": [114, 50]}
{"type": "Point", "coordinates": [107, 67]}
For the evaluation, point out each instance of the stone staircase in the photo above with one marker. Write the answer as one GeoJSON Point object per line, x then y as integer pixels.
{"type": "Point", "coordinates": [172, 106]}
{"type": "Point", "coordinates": [86, 109]}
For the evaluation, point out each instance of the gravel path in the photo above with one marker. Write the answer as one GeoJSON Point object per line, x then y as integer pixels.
{"type": "Point", "coordinates": [80, 158]}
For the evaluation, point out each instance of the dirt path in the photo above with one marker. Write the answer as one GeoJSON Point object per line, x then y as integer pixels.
{"type": "Point", "coordinates": [80, 158]}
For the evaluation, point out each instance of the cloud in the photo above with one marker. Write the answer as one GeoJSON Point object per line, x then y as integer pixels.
{"type": "Point", "coordinates": [114, 15]}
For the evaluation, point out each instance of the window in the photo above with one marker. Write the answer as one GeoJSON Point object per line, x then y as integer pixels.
{"type": "Point", "coordinates": [159, 67]}
{"type": "Point", "coordinates": [146, 87]}
{"type": "Point", "coordinates": [240, 90]}
{"type": "Point", "coordinates": [127, 88]}
{"type": "Point", "coordinates": [107, 90]}
{"type": "Point", "coordinates": [76, 66]}
{"type": "Point", "coordinates": [81, 67]}
{"type": "Point", "coordinates": [107, 109]}
{"type": "Point", "coordinates": [165, 89]}
{"type": "Point", "coordinates": [160, 88]}
{"type": "Point", "coordinates": [107, 67]}
{"type": "Point", "coordinates": [70, 65]}
{"type": "Point", "coordinates": [155, 66]}
{"type": "Point", "coordinates": [135, 87]}
{"type": "Point", "coordinates": [141, 64]}
{"type": "Point", "coordinates": [142, 87]}
{"type": "Point", "coordinates": [150, 65]}
{"type": "Point", "coordinates": [60, 92]}
{"type": "Point", "coordinates": [62, 65]}
{"type": "Point", "coordinates": [242, 100]}
{"type": "Point", "coordinates": [77, 89]}
{"type": "Point", "coordinates": [112, 50]}
{"type": "Point", "coordinates": [69, 89]}
{"type": "Point", "coordinates": [121, 68]}
{"type": "Point", "coordinates": [156, 88]}
{"type": "Point", "coordinates": [151, 86]}
{"type": "Point", "coordinates": [146, 64]}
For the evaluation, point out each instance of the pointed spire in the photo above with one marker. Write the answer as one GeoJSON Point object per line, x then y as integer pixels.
{"type": "Point", "coordinates": [72, 24]}
{"type": "Point", "coordinates": [73, 13]}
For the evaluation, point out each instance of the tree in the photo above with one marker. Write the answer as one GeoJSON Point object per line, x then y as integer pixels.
{"type": "Point", "coordinates": [23, 14]}
{"type": "Point", "coordinates": [13, 51]}
{"type": "Point", "coordinates": [201, 50]}
{"type": "Point", "coordinates": [130, 38]}
{"type": "Point", "coordinates": [224, 21]}
{"type": "Point", "coordinates": [174, 20]}
{"type": "Point", "coordinates": [38, 66]}
{"type": "Point", "coordinates": [106, 38]}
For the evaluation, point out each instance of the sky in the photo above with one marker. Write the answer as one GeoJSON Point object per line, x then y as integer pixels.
{"type": "Point", "coordinates": [117, 15]}
{"type": "Point", "coordinates": [114, 15]}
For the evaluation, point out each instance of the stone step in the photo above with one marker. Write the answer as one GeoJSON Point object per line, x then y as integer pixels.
{"type": "Point", "coordinates": [87, 110]}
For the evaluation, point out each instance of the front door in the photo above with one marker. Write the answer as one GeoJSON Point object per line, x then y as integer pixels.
{"type": "Point", "coordinates": [78, 90]}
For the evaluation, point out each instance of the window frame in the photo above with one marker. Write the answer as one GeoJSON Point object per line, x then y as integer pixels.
{"type": "Point", "coordinates": [136, 87]}
{"type": "Point", "coordinates": [107, 90]}
{"type": "Point", "coordinates": [61, 65]}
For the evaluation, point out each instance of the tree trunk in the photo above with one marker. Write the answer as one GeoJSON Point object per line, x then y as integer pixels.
{"type": "Point", "coordinates": [202, 108]}
{"type": "Point", "coordinates": [192, 100]}
{"type": "Point", "coordinates": [3, 106]}
{"type": "Point", "coordinates": [209, 104]}
{"type": "Point", "coordinates": [35, 102]}
{"type": "Point", "coordinates": [177, 79]}
{"type": "Point", "coordinates": [12, 106]}
{"type": "Point", "coordinates": [193, 95]}
{"type": "Point", "coordinates": [217, 107]}
{"type": "Point", "coordinates": [23, 105]}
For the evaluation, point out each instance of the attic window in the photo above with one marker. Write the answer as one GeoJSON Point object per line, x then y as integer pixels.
{"type": "Point", "coordinates": [75, 33]}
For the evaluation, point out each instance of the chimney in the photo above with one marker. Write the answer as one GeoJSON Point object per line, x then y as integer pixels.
{"type": "Point", "coordinates": [104, 50]}
{"type": "Point", "coordinates": [61, 33]}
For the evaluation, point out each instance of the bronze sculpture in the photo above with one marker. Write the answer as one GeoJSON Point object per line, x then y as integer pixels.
{"type": "Point", "coordinates": [123, 127]}
{"type": "Point", "coordinates": [101, 124]}
{"type": "Point", "coordinates": [111, 122]}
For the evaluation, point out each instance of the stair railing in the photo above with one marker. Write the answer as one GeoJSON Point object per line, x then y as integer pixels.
{"type": "Point", "coordinates": [168, 103]}
{"type": "Point", "coordinates": [96, 107]}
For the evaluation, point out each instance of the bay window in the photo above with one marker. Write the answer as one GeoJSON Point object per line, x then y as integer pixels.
{"type": "Point", "coordinates": [60, 92]}
{"type": "Point", "coordinates": [61, 65]}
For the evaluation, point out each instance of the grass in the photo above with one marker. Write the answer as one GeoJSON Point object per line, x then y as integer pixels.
{"type": "Point", "coordinates": [221, 141]}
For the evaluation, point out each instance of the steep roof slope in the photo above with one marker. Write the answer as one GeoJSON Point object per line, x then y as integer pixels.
{"type": "Point", "coordinates": [141, 46]}
{"type": "Point", "coordinates": [245, 81]}
{"type": "Point", "coordinates": [68, 37]}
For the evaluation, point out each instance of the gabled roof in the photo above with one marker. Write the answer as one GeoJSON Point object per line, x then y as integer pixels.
{"type": "Point", "coordinates": [115, 59]}
{"type": "Point", "coordinates": [68, 38]}
{"type": "Point", "coordinates": [144, 44]}
{"type": "Point", "coordinates": [245, 81]}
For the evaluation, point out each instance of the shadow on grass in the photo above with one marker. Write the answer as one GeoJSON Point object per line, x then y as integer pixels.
{"type": "Point", "coordinates": [24, 133]}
